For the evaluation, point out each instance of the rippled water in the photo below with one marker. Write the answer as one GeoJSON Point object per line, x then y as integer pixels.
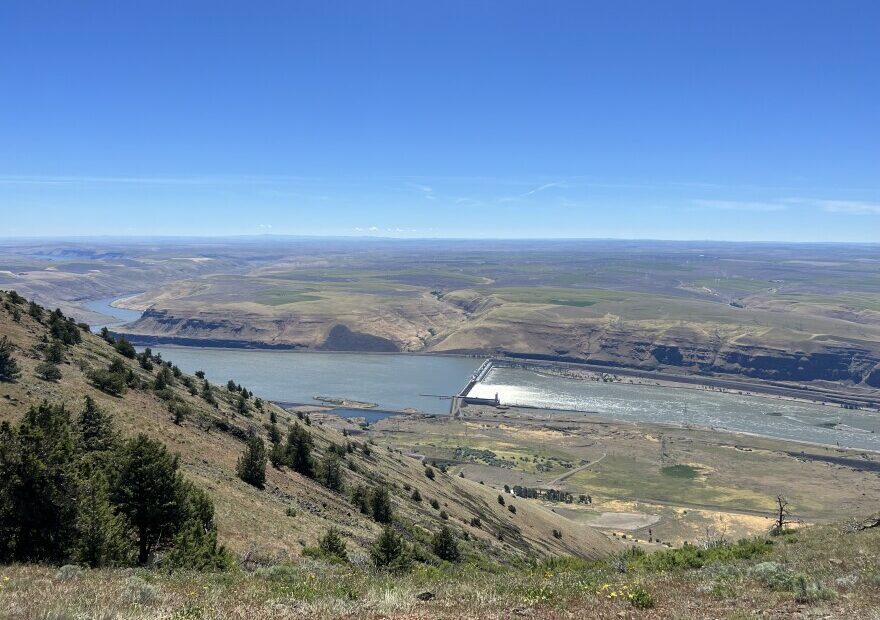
{"type": "Point", "coordinates": [750, 414]}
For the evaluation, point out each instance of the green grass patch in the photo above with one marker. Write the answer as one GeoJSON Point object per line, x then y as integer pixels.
{"type": "Point", "coordinates": [685, 472]}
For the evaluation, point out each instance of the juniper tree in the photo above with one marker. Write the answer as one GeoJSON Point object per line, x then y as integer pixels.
{"type": "Point", "coordinates": [113, 380]}
{"type": "Point", "coordinates": [95, 428]}
{"type": "Point", "coordinates": [37, 486]}
{"type": "Point", "coordinates": [102, 537]}
{"type": "Point", "coordinates": [277, 456]}
{"type": "Point", "coordinates": [389, 551]}
{"type": "Point", "coordinates": [380, 505]}
{"type": "Point", "coordinates": [445, 546]}
{"type": "Point", "coordinates": [9, 370]}
{"type": "Point", "coordinates": [299, 451]}
{"type": "Point", "coordinates": [70, 492]}
{"type": "Point", "coordinates": [54, 352]}
{"type": "Point", "coordinates": [160, 382]}
{"type": "Point", "coordinates": [360, 498]}
{"type": "Point", "coordinates": [194, 544]}
{"type": "Point", "coordinates": [274, 434]}
{"type": "Point", "coordinates": [331, 471]}
{"type": "Point", "coordinates": [125, 348]}
{"type": "Point", "coordinates": [332, 544]}
{"type": "Point", "coordinates": [207, 394]}
{"type": "Point", "coordinates": [35, 311]}
{"type": "Point", "coordinates": [241, 406]}
{"type": "Point", "coordinates": [252, 463]}
{"type": "Point", "coordinates": [146, 491]}
{"type": "Point", "coordinates": [48, 371]}
{"type": "Point", "coordinates": [63, 329]}
{"type": "Point", "coordinates": [145, 360]}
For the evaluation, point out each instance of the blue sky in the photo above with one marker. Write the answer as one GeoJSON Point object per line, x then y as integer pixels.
{"type": "Point", "coordinates": [675, 120]}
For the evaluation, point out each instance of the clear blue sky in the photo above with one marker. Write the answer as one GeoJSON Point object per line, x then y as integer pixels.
{"type": "Point", "coordinates": [679, 120]}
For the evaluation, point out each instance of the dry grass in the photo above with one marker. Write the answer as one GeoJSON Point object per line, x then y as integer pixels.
{"type": "Point", "coordinates": [840, 572]}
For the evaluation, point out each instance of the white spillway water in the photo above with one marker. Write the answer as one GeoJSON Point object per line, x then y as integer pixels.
{"type": "Point", "coordinates": [749, 414]}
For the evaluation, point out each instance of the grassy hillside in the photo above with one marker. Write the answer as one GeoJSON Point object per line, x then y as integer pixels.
{"type": "Point", "coordinates": [817, 572]}
{"type": "Point", "coordinates": [293, 511]}
{"type": "Point", "coordinates": [526, 562]}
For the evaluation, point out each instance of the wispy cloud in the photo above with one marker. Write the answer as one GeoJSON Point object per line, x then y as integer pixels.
{"type": "Point", "coordinates": [535, 190]}
{"type": "Point", "coordinates": [468, 201]}
{"type": "Point", "coordinates": [851, 207]}
{"type": "Point", "coordinates": [426, 190]}
{"type": "Point", "coordinates": [540, 188]}
{"type": "Point", "coordinates": [739, 205]}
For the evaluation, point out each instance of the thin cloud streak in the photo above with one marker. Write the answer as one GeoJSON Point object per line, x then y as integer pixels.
{"type": "Point", "coordinates": [850, 207]}
{"type": "Point", "coordinates": [738, 205]}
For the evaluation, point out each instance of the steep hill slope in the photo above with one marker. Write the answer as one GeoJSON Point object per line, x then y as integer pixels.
{"type": "Point", "coordinates": [293, 511]}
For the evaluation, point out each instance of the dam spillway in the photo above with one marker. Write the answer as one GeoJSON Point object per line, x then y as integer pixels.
{"type": "Point", "coordinates": [462, 396]}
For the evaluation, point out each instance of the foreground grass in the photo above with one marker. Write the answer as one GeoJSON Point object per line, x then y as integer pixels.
{"type": "Point", "coordinates": [820, 572]}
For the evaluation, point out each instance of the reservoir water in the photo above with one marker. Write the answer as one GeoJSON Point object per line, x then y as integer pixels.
{"type": "Point", "coordinates": [800, 421]}
{"type": "Point", "coordinates": [391, 381]}
{"type": "Point", "coordinates": [398, 381]}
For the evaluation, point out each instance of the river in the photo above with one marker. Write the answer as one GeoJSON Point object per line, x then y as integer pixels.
{"type": "Point", "coordinates": [401, 381]}
{"type": "Point", "coordinates": [116, 316]}
{"type": "Point", "coordinates": [773, 417]}
{"type": "Point", "coordinates": [392, 381]}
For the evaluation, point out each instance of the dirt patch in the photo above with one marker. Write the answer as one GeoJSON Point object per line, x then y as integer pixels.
{"type": "Point", "coordinates": [627, 521]}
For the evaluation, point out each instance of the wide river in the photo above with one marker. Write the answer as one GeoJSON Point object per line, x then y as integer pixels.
{"type": "Point", "coordinates": [400, 381]}
{"type": "Point", "coordinates": [761, 415]}
{"type": "Point", "coordinates": [394, 382]}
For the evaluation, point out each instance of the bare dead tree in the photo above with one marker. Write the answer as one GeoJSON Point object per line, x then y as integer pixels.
{"type": "Point", "coordinates": [783, 517]}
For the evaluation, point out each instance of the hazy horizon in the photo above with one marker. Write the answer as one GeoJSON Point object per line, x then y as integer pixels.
{"type": "Point", "coordinates": [377, 238]}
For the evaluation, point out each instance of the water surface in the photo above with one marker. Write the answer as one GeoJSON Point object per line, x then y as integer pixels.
{"type": "Point", "coordinates": [117, 316]}
{"type": "Point", "coordinates": [642, 403]}
{"type": "Point", "coordinates": [391, 381]}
